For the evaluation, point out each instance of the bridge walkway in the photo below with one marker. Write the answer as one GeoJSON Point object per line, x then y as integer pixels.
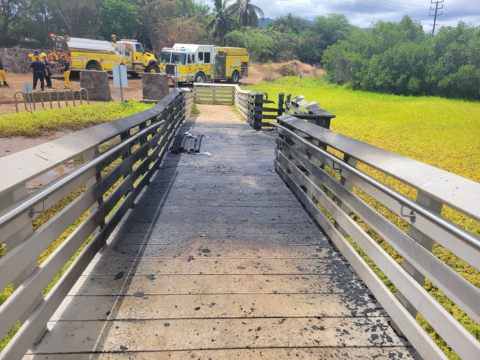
{"type": "Point", "coordinates": [219, 260]}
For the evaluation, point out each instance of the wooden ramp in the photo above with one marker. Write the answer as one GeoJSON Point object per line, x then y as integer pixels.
{"type": "Point", "coordinates": [218, 260]}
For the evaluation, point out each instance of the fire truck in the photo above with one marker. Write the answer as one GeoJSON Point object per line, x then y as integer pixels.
{"type": "Point", "coordinates": [94, 53]}
{"type": "Point", "coordinates": [201, 63]}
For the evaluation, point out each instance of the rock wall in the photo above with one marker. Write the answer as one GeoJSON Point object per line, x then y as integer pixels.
{"type": "Point", "coordinates": [16, 60]}
{"type": "Point", "coordinates": [96, 82]}
{"type": "Point", "coordinates": [155, 86]}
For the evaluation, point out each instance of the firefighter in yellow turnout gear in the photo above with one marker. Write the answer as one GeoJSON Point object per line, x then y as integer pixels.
{"type": "Point", "coordinates": [66, 71]}
{"type": "Point", "coordinates": [3, 76]}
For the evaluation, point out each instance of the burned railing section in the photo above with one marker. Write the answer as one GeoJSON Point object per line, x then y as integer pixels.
{"type": "Point", "coordinates": [114, 175]}
{"type": "Point", "coordinates": [257, 111]}
{"type": "Point", "coordinates": [351, 207]}
{"type": "Point", "coordinates": [298, 107]}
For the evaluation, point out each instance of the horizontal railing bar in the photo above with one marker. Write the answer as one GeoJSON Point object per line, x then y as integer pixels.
{"type": "Point", "coordinates": [447, 240]}
{"type": "Point", "coordinates": [456, 192]}
{"type": "Point", "coordinates": [461, 341]}
{"type": "Point", "coordinates": [212, 90]}
{"type": "Point", "coordinates": [440, 221]}
{"type": "Point", "coordinates": [15, 261]}
{"type": "Point", "coordinates": [458, 289]}
{"type": "Point", "coordinates": [17, 209]}
{"type": "Point", "coordinates": [21, 299]}
{"type": "Point", "coordinates": [31, 163]}
{"type": "Point", "coordinates": [425, 346]}
{"type": "Point", "coordinates": [212, 101]}
{"type": "Point", "coordinates": [213, 97]}
{"type": "Point", "coordinates": [21, 221]}
{"type": "Point", "coordinates": [29, 332]}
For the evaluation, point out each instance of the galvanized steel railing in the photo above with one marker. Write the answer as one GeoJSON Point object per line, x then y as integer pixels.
{"type": "Point", "coordinates": [114, 174]}
{"type": "Point", "coordinates": [304, 163]}
{"type": "Point", "coordinates": [31, 98]}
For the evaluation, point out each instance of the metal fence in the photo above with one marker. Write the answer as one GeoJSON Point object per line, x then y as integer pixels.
{"type": "Point", "coordinates": [334, 190]}
{"type": "Point", "coordinates": [119, 159]}
{"type": "Point", "coordinates": [30, 100]}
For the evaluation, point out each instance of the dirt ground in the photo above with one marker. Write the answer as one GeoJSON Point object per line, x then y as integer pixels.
{"type": "Point", "coordinates": [134, 90]}
{"type": "Point", "coordinates": [7, 103]}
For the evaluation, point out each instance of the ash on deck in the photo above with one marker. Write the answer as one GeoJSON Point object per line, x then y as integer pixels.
{"type": "Point", "coordinates": [219, 260]}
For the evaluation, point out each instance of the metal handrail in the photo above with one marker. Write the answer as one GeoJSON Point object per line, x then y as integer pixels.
{"type": "Point", "coordinates": [16, 210]}
{"type": "Point", "coordinates": [427, 214]}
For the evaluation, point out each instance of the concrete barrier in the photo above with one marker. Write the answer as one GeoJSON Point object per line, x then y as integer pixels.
{"type": "Point", "coordinates": [96, 83]}
{"type": "Point", "coordinates": [155, 86]}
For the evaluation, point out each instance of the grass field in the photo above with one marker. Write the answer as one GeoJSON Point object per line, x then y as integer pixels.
{"type": "Point", "coordinates": [66, 119]}
{"type": "Point", "coordinates": [439, 132]}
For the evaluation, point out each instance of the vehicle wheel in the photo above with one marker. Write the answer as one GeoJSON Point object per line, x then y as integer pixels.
{"type": "Point", "coordinates": [235, 77]}
{"type": "Point", "coordinates": [92, 67]}
{"type": "Point", "coordinates": [154, 69]}
{"type": "Point", "coordinates": [200, 78]}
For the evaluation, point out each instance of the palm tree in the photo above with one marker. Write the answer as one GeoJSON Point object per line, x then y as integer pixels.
{"type": "Point", "coordinates": [245, 13]}
{"type": "Point", "coordinates": [221, 22]}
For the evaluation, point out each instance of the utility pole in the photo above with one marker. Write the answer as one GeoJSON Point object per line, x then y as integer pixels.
{"type": "Point", "coordinates": [436, 12]}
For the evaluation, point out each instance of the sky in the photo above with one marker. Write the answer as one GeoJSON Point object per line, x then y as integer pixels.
{"type": "Point", "coordinates": [363, 12]}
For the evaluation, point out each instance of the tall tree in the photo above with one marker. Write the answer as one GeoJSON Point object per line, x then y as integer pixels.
{"type": "Point", "coordinates": [11, 11]}
{"type": "Point", "coordinates": [245, 13]}
{"type": "Point", "coordinates": [119, 18]}
{"type": "Point", "coordinates": [221, 23]}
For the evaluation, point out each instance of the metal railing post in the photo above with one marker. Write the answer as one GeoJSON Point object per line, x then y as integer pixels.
{"type": "Point", "coordinates": [88, 156]}
{"type": "Point", "coordinates": [353, 162]}
{"type": "Point", "coordinates": [6, 200]}
{"type": "Point", "coordinates": [436, 207]}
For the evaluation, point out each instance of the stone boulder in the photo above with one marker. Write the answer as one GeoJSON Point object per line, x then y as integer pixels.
{"type": "Point", "coordinates": [155, 86]}
{"type": "Point", "coordinates": [96, 83]}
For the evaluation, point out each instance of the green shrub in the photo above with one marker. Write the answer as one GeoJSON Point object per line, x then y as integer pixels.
{"type": "Point", "coordinates": [70, 118]}
{"type": "Point", "coordinates": [398, 58]}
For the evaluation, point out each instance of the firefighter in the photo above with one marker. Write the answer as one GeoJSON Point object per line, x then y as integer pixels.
{"type": "Point", "coordinates": [39, 71]}
{"type": "Point", "coordinates": [48, 72]}
{"type": "Point", "coordinates": [2, 73]}
{"type": "Point", "coordinates": [66, 71]}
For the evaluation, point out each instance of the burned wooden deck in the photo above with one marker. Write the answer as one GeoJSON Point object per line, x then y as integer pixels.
{"type": "Point", "coordinates": [218, 260]}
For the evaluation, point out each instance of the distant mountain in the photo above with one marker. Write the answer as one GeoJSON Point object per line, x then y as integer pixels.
{"type": "Point", "coordinates": [268, 20]}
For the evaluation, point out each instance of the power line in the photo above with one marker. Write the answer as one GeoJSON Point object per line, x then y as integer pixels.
{"type": "Point", "coordinates": [436, 12]}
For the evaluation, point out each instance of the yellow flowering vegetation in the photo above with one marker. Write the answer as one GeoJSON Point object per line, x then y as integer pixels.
{"type": "Point", "coordinates": [436, 131]}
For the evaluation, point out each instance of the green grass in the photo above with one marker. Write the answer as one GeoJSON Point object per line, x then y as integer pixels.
{"type": "Point", "coordinates": [66, 119]}
{"type": "Point", "coordinates": [195, 110]}
{"type": "Point", "coordinates": [439, 132]}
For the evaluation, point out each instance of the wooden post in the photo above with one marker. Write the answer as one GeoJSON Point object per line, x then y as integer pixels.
{"type": "Point", "coordinates": [281, 103]}
{"type": "Point", "coordinates": [257, 118]}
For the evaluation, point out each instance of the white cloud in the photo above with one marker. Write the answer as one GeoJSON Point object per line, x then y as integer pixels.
{"type": "Point", "coordinates": [363, 12]}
